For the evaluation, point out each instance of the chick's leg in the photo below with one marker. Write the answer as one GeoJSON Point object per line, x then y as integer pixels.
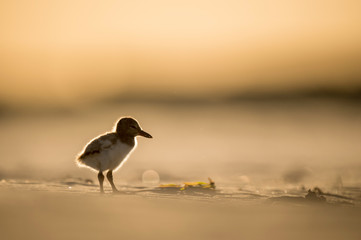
{"type": "Point", "coordinates": [110, 179]}
{"type": "Point", "coordinates": [101, 181]}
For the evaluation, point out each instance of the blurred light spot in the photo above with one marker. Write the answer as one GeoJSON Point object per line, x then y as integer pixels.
{"type": "Point", "coordinates": [150, 177]}
{"type": "Point", "coordinates": [244, 179]}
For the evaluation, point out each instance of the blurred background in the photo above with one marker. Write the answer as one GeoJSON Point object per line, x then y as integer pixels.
{"type": "Point", "coordinates": [249, 92]}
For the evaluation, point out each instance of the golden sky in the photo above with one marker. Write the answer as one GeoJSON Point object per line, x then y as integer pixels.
{"type": "Point", "coordinates": [70, 50]}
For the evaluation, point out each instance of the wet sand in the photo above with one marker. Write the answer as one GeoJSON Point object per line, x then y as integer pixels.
{"type": "Point", "coordinates": [73, 210]}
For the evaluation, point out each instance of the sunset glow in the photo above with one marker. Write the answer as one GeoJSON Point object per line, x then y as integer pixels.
{"type": "Point", "coordinates": [58, 49]}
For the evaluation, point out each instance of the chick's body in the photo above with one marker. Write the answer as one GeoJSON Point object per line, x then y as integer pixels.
{"type": "Point", "coordinates": [110, 151]}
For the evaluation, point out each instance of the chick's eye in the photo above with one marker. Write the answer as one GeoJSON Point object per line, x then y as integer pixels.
{"type": "Point", "coordinates": [133, 127]}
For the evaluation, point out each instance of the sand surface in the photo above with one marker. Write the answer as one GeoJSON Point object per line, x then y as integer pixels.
{"type": "Point", "coordinates": [73, 209]}
{"type": "Point", "coordinates": [263, 158]}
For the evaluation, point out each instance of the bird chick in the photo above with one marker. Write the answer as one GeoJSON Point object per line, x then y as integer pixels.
{"type": "Point", "coordinates": [108, 152]}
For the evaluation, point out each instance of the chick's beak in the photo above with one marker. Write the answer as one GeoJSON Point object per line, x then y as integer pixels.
{"type": "Point", "coordinates": [144, 134]}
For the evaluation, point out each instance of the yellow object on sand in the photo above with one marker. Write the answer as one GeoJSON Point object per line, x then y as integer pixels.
{"type": "Point", "coordinates": [186, 185]}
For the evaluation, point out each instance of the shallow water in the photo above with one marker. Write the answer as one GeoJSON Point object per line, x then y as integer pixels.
{"type": "Point", "coordinates": [225, 193]}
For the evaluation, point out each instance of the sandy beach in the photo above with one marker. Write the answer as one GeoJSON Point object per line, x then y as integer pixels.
{"type": "Point", "coordinates": [242, 120]}
{"type": "Point", "coordinates": [75, 211]}
{"type": "Point", "coordinates": [262, 172]}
